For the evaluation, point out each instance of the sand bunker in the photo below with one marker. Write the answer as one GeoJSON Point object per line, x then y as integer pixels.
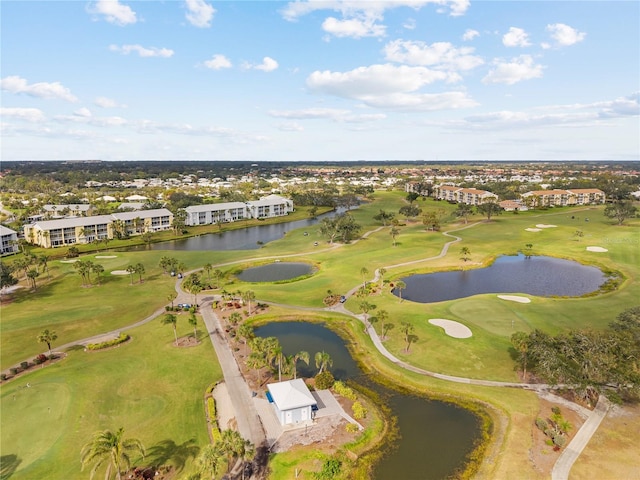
{"type": "Point", "coordinates": [106, 256]}
{"type": "Point", "coordinates": [70, 261]}
{"type": "Point", "coordinates": [515, 298]}
{"type": "Point", "coordinates": [597, 249]}
{"type": "Point", "coordinates": [543, 225]}
{"type": "Point", "coordinates": [119, 272]}
{"type": "Point", "coordinates": [451, 328]}
{"type": "Point", "coordinates": [533, 229]}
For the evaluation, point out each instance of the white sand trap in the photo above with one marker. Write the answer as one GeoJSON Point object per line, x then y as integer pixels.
{"type": "Point", "coordinates": [451, 328]}
{"type": "Point", "coordinates": [70, 261]}
{"type": "Point", "coordinates": [544, 225]}
{"type": "Point", "coordinates": [533, 229]}
{"type": "Point", "coordinates": [106, 256]}
{"type": "Point", "coordinates": [515, 298]}
{"type": "Point", "coordinates": [119, 272]}
{"type": "Point", "coordinates": [597, 249]}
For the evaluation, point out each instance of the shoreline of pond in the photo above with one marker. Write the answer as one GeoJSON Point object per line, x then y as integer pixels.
{"type": "Point", "coordinates": [483, 412]}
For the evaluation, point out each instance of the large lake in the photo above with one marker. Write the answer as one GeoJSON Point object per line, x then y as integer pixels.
{"type": "Point", "coordinates": [536, 275]}
{"type": "Point", "coordinates": [435, 437]}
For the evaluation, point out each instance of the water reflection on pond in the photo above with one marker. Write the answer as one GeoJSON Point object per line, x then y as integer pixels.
{"type": "Point", "coordinates": [434, 437]}
{"type": "Point", "coordinates": [537, 275]}
{"type": "Point", "coordinates": [274, 272]}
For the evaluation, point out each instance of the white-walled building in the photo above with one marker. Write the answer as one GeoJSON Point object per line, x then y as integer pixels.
{"type": "Point", "coordinates": [267, 207]}
{"type": "Point", "coordinates": [292, 401]}
{"type": "Point", "coordinates": [8, 240]}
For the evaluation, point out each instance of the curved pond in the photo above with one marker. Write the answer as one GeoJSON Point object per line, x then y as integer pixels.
{"type": "Point", "coordinates": [537, 275]}
{"type": "Point", "coordinates": [435, 437]}
{"type": "Point", "coordinates": [275, 272]}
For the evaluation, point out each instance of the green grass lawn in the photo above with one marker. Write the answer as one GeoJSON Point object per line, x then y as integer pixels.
{"type": "Point", "coordinates": [148, 386]}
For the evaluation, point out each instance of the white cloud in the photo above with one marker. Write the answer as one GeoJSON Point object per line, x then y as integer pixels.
{"type": "Point", "coordinates": [518, 69]}
{"type": "Point", "coordinates": [353, 27]}
{"type": "Point", "coordinates": [16, 84]}
{"type": "Point", "coordinates": [442, 55]}
{"type": "Point", "coordinates": [516, 37]}
{"type": "Point", "coordinates": [142, 51]}
{"type": "Point", "coordinates": [389, 86]}
{"type": "Point", "coordinates": [199, 13]}
{"type": "Point", "coordinates": [470, 34]}
{"type": "Point", "coordinates": [268, 65]}
{"type": "Point", "coordinates": [114, 12]}
{"type": "Point", "coordinates": [84, 116]}
{"type": "Point", "coordinates": [83, 112]}
{"type": "Point", "coordinates": [410, 24]}
{"type": "Point", "coordinates": [105, 102]}
{"type": "Point", "coordinates": [290, 127]}
{"type": "Point", "coordinates": [334, 114]}
{"type": "Point", "coordinates": [218, 62]}
{"type": "Point", "coordinates": [352, 8]}
{"type": "Point", "coordinates": [564, 35]}
{"type": "Point", "coordinates": [32, 115]}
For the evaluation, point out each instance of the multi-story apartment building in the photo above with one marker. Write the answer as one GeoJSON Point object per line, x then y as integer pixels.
{"type": "Point", "coordinates": [470, 196]}
{"type": "Point", "coordinates": [562, 198]}
{"type": "Point", "coordinates": [8, 240]}
{"type": "Point", "coordinates": [270, 206]}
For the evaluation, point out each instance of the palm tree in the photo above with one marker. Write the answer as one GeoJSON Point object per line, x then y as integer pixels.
{"type": "Point", "coordinates": [171, 297]}
{"type": "Point", "coordinates": [210, 460]}
{"type": "Point", "coordinates": [130, 270]}
{"type": "Point", "coordinates": [400, 285]}
{"type": "Point", "coordinates": [381, 272]}
{"type": "Point", "coordinates": [139, 269]}
{"type": "Point", "coordinates": [235, 318]}
{"type": "Point", "coordinates": [249, 296]}
{"type": "Point", "coordinates": [107, 446]}
{"type": "Point", "coordinates": [385, 328]}
{"type": "Point", "coordinates": [193, 321]}
{"type": "Point", "coordinates": [364, 271]}
{"type": "Point", "coordinates": [465, 252]}
{"type": "Point", "coordinates": [32, 275]}
{"type": "Point", "coordinates": [245, 331]}
{"type": "Point", "coordinates": [42, 260]}
{"type": "Point", "coordinates": [366, 307]}
{"type": "Point", "coordinates": [394, 232]}
{"type": "Point", "coordinates": [47, 336]}
{"type": "Point", "coordinates": [302, 355]}
{"type": "Point", "coordinates": [520, 341]}
{"type": "Point", "coordinates": [407, 329]}
{"type": "Point", "coordinates": [232, 445]}
{"type": "Point", "coordinates": [170, 319]}
{"type": "Point", "coordinates": [207, 268]}
{"type": "Point", "coordinates": [323, 361]}
{"type": "Point", "coordinates": [382, 317]}
{"type": "Point", "coordinates": [217, 275]}
{"type": "Point", "coordinates": [97, 269]}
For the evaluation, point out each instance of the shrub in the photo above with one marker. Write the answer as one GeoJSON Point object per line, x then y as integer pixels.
{"type": "Point", "coordinates": [324, 380]}
{"type": "Point", "coordinates": [123, 337]}
{"type": "Point", "coordinates": [352, 427]}
{"type": "Point", "coordinates": [555, 410]}
{"type": "Point", "coordinates": [40, 359]}
{"type": "Point", "coordinates": [215, 432]}
{"type": "Point", "coordinates": [341, 389]}
{"type": "Point", "coordinates": [359, 411]}
{"type": "Point", "coordinates": [13, 370]}
{"type": "Point", "coordinates": [211, 408]}
{"type": "Point", "coordinates": [541, 424]}
{"type": "Point", "coordinates": [24, 365]}
{"type": "Point", "coordinates": [330, 469]}
{"type": "Point", "coordinates": [560, 440]}
{"type": "Point", "coordinates": [3, 376]}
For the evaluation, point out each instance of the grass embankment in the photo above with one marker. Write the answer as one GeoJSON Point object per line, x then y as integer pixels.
{"type": "Point", "coordinates": [147, 386]}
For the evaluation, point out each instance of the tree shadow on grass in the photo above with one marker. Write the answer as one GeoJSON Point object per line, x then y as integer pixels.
{"type": "Point", "coordinates": [167, 451]}
{"type": "Point", "coordinates": [8, 466]}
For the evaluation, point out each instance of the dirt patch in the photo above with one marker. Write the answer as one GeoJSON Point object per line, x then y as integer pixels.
{"type": "Point", "coordinates": [188, 341]}
{"type": "Point", "coordinates": [543, 456]}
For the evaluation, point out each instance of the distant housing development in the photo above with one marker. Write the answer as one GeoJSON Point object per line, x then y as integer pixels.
{"type": "Point", "coordinates": [470, 196]}
{"type": "Point", "coordinates": [67, 231]}
{"type": "Point", "coordinates": [270, 206]}
{"type": "Point", "coordinates": [8, 240]}
{"type": "Point", "coordinates": [561, 198]}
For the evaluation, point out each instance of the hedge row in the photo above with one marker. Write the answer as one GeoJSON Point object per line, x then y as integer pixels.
{"type": "Point", "coordinates": [123, 337]}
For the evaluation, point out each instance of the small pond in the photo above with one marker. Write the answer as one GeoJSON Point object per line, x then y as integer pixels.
{"type": "Point", "coordinates": [275, 272]}
{"type": "Point", "coordinates": [435, 437]}
{"type": "Point", "coordinates": [536, 275]}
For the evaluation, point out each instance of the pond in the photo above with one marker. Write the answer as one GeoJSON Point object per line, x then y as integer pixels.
{"type": "Point", "coordinates": [275, 272]}
{"type": "Point", "coordinates": [535, 275]}
{"type": "Point", "coordinates": [435, 437]}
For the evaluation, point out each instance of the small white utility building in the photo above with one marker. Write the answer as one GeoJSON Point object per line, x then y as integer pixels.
{"type": "Point", "coordinates": [292, 401]}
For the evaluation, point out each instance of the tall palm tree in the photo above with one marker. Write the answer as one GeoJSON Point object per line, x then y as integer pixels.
{"type": "Point", "coordinates": [47, 336]}
{"type": "Point", "coordinates": [364, 271]}
{"type": "Point", "coordinates": [97, 269]}
{"type": "Point", "coordinates": [130, 270]}
{"type": "Point", "coordinates": [366, 307]}
{"type": "Point", "coordinates": [171, 297]}
{"type": "Point", "coordinates": [248, 296]}
{"type": "Point", "coordinates": [217, 275]}
{"type": "Point", "coordinates": [42, 260]}
{"type": "Point", "coordinates": [107, 446]}
{"type": "Point", "coordinates": [323, 361]}
{"type": "Point", "coordinates": [400, 285]}
{"type": "Point", "coordinates": [382, 317]}
{"type": "Point", "coordinates": [302, 355]}
{"type": "Point", "coordinates": [32, 275]}
{"type": "Point", "coordinates": [381, 272]}
{"type": "Point", "coordinates": [231, 444]}
{"type": "Point", "coordinates": [193, 321]}
{"type": "Point", "coordinates": [210, 460]}
{"type": "Point", "coordinates": [171, 319]}
{"type": "Point", "coordinates": [139, 269]}
{"type": "Point", "coordinates": [207, 268]}
{"type": "Point", "coordinates": [394, 232]}
{"type": "Point", "coordinates": [245, 331]}
{"type": "Point", "coordinates": [407, 329]}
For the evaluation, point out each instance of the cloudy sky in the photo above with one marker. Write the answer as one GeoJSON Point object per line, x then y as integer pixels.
{"type": "Point", "coordinates": [320, 80]}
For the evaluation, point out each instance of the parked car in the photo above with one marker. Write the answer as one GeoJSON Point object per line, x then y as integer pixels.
{"type": "Point", "coordinates": [343, 299]}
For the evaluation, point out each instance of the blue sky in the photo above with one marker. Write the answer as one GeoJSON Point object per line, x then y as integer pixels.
{"type": "Point", "coordinates": [313, 81]}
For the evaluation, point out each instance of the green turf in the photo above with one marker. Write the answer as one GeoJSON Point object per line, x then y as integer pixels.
{"type": "Point", "coordinates": [148, 386]}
